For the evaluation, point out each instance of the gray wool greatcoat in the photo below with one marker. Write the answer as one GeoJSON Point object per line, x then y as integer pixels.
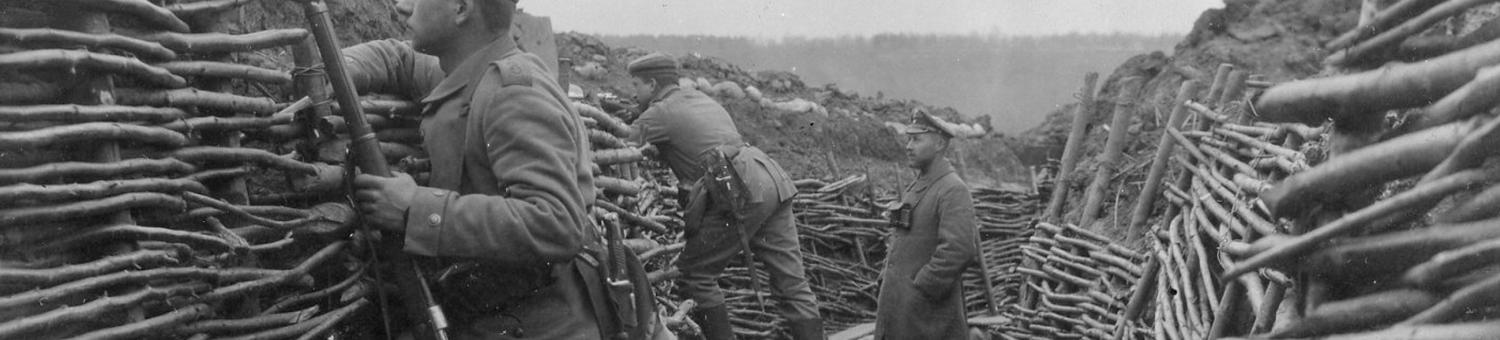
{"type": "Point", "coordinates": [921, 294]}
{"type": "Point", "coordinates": [510, 177]}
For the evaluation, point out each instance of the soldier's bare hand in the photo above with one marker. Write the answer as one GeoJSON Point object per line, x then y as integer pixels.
{"type": "Point", "coordinates": [384, 200]}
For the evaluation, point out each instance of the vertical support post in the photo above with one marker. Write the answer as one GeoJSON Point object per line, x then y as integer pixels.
{"type": "Point", "coordinates": [1073, 149]}
{"type": "Point", "coordinates": [231, 189]}
{"type": "Point", "coordinates": [1114, 149]}
{"type": "Point", "coordinates": [1229, 303]}
{"type": "Point", "coordinates": [310, 80]}
{"type": "Point", "coordinates": [98, 89]}
{"type": "Point", "coordinates": [1071, 152]}
{"type": "Point", "coordinates": [1139, 298]}
{"type": "Point", "coordinates": [1216, 89]}
{"type": "Point", "coordinates": [1265, 316]}
{"type": "Point", "coordinates": [1234, 88]}
{"type": "Point", "coordinates": [1164, 149]}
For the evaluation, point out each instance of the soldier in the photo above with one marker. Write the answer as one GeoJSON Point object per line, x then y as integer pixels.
{"type": "Point", "coordinates": [933, 238]}
{"type": "Point", "coordinates": [740, 199]}
{"type": "Point", "coordinates": [505, 221]}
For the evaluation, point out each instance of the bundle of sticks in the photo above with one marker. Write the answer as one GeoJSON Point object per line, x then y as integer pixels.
{"type": "Point", "coordinates": [1004, 226]}
{"type": "Point", "coordinates": [1075, 280]}
{"type": "Point", "coordinates": [1392, 236]}
{"type": "Point", "coordinates": [1079, 280]}
{"type": "Point", "coordinates": [1224, 165]}
{"type": "Point", "coordinates": [128, 208]}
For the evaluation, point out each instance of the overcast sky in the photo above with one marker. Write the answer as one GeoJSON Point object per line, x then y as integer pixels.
{"type": "Point", "coordinates": [821, 18]}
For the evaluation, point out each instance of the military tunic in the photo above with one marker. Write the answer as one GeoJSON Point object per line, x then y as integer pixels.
{"type": "Point", "coordinates": [921, 293]}
{"type": "Point", "coordinates": [510, 179]}
{"type": "Point", "coordinates": [683, 124]}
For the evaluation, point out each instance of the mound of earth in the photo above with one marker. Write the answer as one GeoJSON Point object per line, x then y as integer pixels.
{"type": "Point", "coordinates": [1275, 40]}
{"type": "Point", "coordinates": [845, 133]}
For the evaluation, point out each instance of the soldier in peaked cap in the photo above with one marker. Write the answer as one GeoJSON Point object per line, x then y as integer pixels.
{"type": "Point", "coordinates": [932, 240]}
{"type": "Point", "coordinates": [740, 199]}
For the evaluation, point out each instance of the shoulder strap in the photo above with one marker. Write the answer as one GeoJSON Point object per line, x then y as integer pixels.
{"type": "Point", "coordinates": [512, 73]}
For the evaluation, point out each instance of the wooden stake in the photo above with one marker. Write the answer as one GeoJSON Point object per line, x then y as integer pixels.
{"type": "Point", "coordinates": [1114, 149]}
{"type": "Point", "coordinates": [1164, 148]}
{"type": "Point", "coordinates": [1073, 150]}
{"type": "Point", "coordinates": [1224, 316]}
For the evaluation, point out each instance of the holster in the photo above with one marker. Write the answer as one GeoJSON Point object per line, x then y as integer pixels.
{"type": "Point", "coordinates": [616, 308]}
{"type": "Point", "coordinates": [722, 181]}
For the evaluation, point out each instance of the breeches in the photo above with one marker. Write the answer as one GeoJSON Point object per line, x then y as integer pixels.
{"type": "Point", "coordinates": [772, 236]}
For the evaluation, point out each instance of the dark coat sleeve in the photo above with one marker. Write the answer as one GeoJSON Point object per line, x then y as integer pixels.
{"type": "Point", "coordinates": [957, 231]}
{"type": "Point", "coordinates": [532, 148]}
{"type": "Point", "coordinates": [393, 67]}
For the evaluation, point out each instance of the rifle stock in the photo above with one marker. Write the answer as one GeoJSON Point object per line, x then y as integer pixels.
{"type": "Point", "coordinates": [421, 307]}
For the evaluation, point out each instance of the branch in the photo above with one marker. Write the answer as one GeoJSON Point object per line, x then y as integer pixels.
{"type": "Point", "coordinates": [89, 132]}
{"type": "Point", "coordinates": [152, 326]}
{"type": "Point", "coordinates": [18, 217]}
{"type": "Point", "coordinates": [34, 37]}
{"type": "Point", "coordinates": [142, 9]}
{"type": "Point", "coordinates": [201, 43]}
{"type": "Point", "coordinates": [94, 310]}
{"type": "Point", "coordinates": [73, 59]}
{"type": "Point", "coordinates": [90, 170]}
{"type": "Point", "coordinates": [89, 113]}
{"type": "Point", "coordinates": [93, 190]}
{"type": "Point", "coordinates": [226, 70]}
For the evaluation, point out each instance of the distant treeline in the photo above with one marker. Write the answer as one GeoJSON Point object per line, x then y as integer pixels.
{"type": "Point", "coordinates": [1015, 79]}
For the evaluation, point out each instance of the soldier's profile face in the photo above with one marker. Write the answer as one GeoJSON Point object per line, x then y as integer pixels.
{"type": "Point", "coordinates": [923, 148]}
{"type": "Point", "coordinates": [431, 22]}
{"type": "Point", "coordinates": [641, 89]}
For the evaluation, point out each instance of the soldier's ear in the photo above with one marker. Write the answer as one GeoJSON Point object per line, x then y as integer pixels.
{"type": "Point", "coordinates": [464, 11]}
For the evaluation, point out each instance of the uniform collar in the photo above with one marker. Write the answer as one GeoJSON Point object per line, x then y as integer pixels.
{"type": "Point", "coordinates": [940, 167]}
{"type": "Point", "coordinates": [668, 91]}
{"type": "Point", "coordinates": [471, 68]}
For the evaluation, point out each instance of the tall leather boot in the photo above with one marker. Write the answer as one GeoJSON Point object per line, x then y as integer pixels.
{"type": "Point", "coordinates": [714, 321]}
{"type": "Point", "coordinates": [806, 329]}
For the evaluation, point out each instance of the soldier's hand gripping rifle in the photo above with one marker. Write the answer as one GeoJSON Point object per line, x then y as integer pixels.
{"type": "Point", "coordinates": [421, 307]}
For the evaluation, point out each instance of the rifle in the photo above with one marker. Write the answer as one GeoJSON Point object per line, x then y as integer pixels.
{"type": "Point", "coordinates": [421, 307]}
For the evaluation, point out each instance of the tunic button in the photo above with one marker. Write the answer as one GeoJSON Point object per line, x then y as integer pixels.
{"type": "Point", "coordinates": [434, 219]}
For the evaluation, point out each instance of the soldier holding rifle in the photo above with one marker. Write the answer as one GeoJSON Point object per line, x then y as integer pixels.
{"type": "Point", "coordinates": [503, 227]}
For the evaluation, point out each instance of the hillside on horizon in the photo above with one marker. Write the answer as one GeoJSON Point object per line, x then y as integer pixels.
{"type": "Point", "coordinates": [1016, 80]}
